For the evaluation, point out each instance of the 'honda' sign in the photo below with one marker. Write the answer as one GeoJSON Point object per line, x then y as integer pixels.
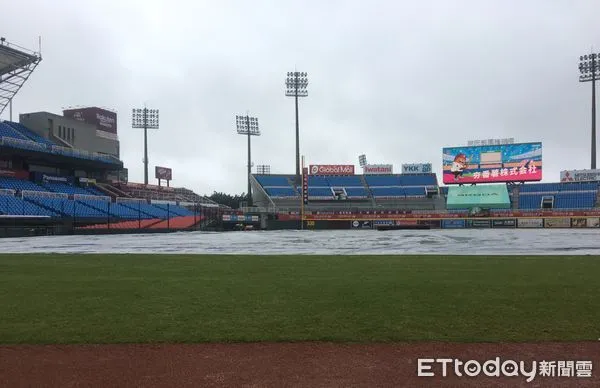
{"type": "Point", "coordinates": [332, 169]}
{"type": "Point", "coordinates": [378, 169]}
{"type": "Point", "coordinates": [416, 168]}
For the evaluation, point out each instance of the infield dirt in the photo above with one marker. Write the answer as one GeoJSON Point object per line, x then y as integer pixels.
{"type": "Point", "coordinates": [273, 365]}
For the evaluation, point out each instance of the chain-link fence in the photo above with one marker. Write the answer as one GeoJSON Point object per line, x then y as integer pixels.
{"type": "Point", "coordinates": [86, 214]}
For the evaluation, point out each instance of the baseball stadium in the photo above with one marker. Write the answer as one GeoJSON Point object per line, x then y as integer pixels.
{"type": "Point", "coordinates": [229, 318]}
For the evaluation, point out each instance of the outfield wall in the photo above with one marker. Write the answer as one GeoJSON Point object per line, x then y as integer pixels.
{"type": "Point", "coordinates": [448, 223]}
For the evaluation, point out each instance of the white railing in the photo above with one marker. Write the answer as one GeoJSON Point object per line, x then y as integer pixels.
{"type": "Point", "coordinates": [43, 194]}
{"type": "Point", "coordinates": [91, 197]}
{"type": "Point", "coordinates": [127, 199]}
{"type": "Point", "coordinates": [162, 202]}
{"type": "Point", "coordinates": [27, 144]}
{"type": "Point", "coordinates": [7, 192]}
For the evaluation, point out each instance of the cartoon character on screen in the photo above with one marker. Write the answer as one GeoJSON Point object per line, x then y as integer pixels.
{"type": "Point", "coordinates": [459, 165]}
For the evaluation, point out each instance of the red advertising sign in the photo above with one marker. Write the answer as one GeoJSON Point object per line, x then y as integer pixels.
{"type": "Point", "coordinates": [163, 173]}
{"type": "Point", "coordinates": [19, 174]}
{"type": "Point", "coordinates": [103, 119]}
{"type": "Point", "coordinates": [332, 169]}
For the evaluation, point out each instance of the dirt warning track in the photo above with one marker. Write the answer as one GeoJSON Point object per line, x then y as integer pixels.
{"type": "Point", "coordinates": [282, 365]}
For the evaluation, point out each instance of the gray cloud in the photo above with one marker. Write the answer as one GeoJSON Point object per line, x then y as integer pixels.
{"type": "Point", "coordinates": [395, 80]}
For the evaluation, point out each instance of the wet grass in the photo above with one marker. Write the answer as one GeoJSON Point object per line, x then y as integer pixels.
{"type": "Point", "coordinates": [202, 298]}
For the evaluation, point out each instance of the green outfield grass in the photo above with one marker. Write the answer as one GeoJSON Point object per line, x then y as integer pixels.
{"type": "Point", "coordinates": [176, 298]}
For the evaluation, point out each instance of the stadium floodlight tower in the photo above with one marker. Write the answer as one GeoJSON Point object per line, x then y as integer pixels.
{"type": "Point", "coordinates": [248, 126]}
{"type": "Point", "coordinates": [362, 160]}
{"type": "Point", "coordinates": [588, 68]}
{"type": "Point", "coordinates": [296, 83]}
{"type": "Point", "coordinates": [16, 65]}
{"type": "Point", "coordinates": [147, 119]}
{"type": "Point", "coordinates": [263, 169]}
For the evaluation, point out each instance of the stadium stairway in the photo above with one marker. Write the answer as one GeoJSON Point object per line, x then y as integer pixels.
{"type": "Point", "coordinates": [142, 209]}
{"type": "Point", "coordinates": [368, 190]}
{"type": "Point", "coordinates": [108, 190]}
{"type": "Point", "coordinates": [55, 212]}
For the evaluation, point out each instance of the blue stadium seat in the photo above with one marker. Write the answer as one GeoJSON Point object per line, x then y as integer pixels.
{"type": "Point", "coordinates": [415, 191]}
{"type": "Point", "coordinates": [418, 180]}
{"type": "Point", "coordinates": [8, 131]}
{"type": "Point", "coordinates": [319, 192]}
{"type": "Point", "coordinates": [317, 181]}
{"type": "Point", "coordinates": [345, 181]}
{"type": "Point", "coordinates": [273, 180]}
{"type": "Point", "coordinates": [19, 184]}
{"type": "Point", "coordinates": [174, 210]}
{"type": "Point", "coordinates": [357, 192]}
{"type": "Point", "coordinates": [10, 205]}
{"type": "Point", "coordinates": [23, 130]}
{"type": "Point", "coordinates": [281, 192]}
{"type": "Point", "coordinates": [59, 187]}
{"type": "Point", "coordinates": [383, 180]}
{"type": "Point", "coordinates": [379, 192]}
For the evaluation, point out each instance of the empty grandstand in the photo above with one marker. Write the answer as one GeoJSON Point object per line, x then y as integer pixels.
{"type": "Point", "coordinates": [418, 191]}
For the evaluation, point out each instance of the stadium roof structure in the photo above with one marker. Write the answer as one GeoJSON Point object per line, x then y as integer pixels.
{"type": "Point", "coordinates": [16, 65]}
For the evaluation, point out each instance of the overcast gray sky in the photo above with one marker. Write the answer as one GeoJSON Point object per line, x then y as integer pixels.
{"type": "Point", "coordinates": [396, 80]}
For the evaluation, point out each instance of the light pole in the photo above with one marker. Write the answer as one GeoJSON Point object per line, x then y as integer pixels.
{"type": "Point", "coordinates": [296, 83]}
{"type": "Point", "coordinates": [147, 119]}
{"type": "Point", "coordinates": [263, 169]}
{"type": "Point", "coordinates": [248, 126]}
{"type": "Point", "coordinates": [588, 67]}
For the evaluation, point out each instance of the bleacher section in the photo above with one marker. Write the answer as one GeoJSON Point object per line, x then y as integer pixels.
{"type": "Point", "coordinates": [29, 134]}
{"type": "Point", "coordinates": [419, 191]}
{"type": "Point", "coordinates": [398, 186]}
{"type": "Point", "coordinates": [561, 195]}
{"type": "Point", "coordinates": [278, 186]}
{"type": "Point", "coordinates": [324, 187]}
{"type": "Point", "coordinates": [15, 135]}
{"type": "Point", "coordinates": [19, 184]}
{"type": "Point", "coordinates": [57, 199]}
{"type": "Point", "coordinates": [162, 193]}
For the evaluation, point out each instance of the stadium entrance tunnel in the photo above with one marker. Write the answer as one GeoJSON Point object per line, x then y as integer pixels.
{"type": "Point", "coordinates": [478, 196]}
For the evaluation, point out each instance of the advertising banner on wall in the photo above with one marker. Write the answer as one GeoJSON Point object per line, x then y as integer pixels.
{"type": "Point", "coordinates": [580, 175]}
{"type": "Point", "coordinates": [453, 224]}
{"type": "Point", "coordinates": [103, 119]}
{"type": "Point", "coordinates": [557, 222]}
{"type": "Point", "coordinates": [530, 223]}
{"type": "Point", "coordinates": [332, 169]}
{"type": "Point", "coordinates": [362, 224]}
{"type": "Point", "coordinates": [416, 168]}
{"type": "Point", "coordinates": [493, 163]}
{"type": "Point", "coordinates": [20, 174]}
{"type": "Point", "coordinates": [504, 223]}
{"type": "Point", "coordinates": [305, 185]}
{"type": "Point", "coordinates": [383, 222]}
{"type": "Point", "coordinates": [163, 173]}
{"type": "Point", "coordinates": [593, 222]}
{"type": "Point", "coordinates": [585, 222]}
{"type": "Point", "coordinates": [478, 223]}
{"type": "Point", "coordinates": [378, 169]}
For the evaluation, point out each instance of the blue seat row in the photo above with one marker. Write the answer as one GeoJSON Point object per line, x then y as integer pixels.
{"type": "Point", "coordinates": [19, 184]}
{"type": "Point", "coordinates": [23, 130]}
